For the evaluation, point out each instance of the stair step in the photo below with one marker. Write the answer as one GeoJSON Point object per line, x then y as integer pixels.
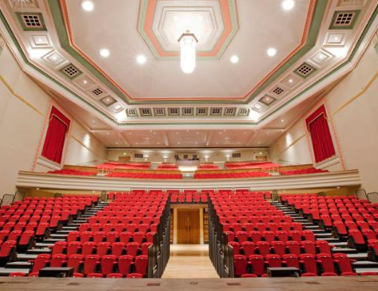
{"type": "Point", "coordinates": [358, 256]}
{"type": "Point", "coordinates": [74, 224]}
{"type": "Point", "coordinates": [19, 265]}
{"type": "Point", "coordinates": [308, 224]}
{"type": "Point", "coordinates": [340, 244]}
{"type": "Point", "coordinates": [69, 228]}
{"type": "Point", "coordinates": [53, 240]}
{"type": "Point", "coordinates": [43, 245]}
{"type": "Point", "coordinates": [26, 257]}
{"type": "Point", "coordinates": [316, 230]}
{"type": "Point", "coordinates": [58, 235]}
{"type": "Point", "coordinates": [7, 271]}
{"type": "Point", "coordinates": [328, 239]}
{"type": "Point", "coordinates": [324, 234]}
{"type": "Point", "coordinates": [302, 220]}
{"type": "Point", "coordinates": [65, 232]}
{"type": "Point", "coordinates": [344, 250]}
{"type": "Point", "coordinates": [365, 264]}
{"type": "Point", "coordinates": [363, 270]}
{"type": "Point", "coordinates": [39, 251]}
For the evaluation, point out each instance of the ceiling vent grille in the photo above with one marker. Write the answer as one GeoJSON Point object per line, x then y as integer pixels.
{"type": "Point", "coordinates": [217, 111]}
{"type": "Point", "coordinates": [132, 112]}
{"type": "Point", "coordinates": [174, 111]}
{"type": "Point", "coordinates": [305, 70]}
{"type": "Point", "coordinates": [243, 111]}
{"type": "Point", "coordinates": [145, 111]}
{"type": "Point", "coordinates": [31, 21]}
{"type": "Point", "coordinates": [236, 155]}
{"type": "Point", "coordinates": [23, 3]}
{"type": "Point", "coordinates": [230, 111]}
{"type": "Point", "coordinates": [70, 71]}
{"type": "Point", "coordinates": [159, 111]}
{"type": "Point", "coordinates": [344, 19]}
{"type": "Point", "coordinates": [202, 111]}
{"type": "Point", "coordinates": [188, 111]}
{"type": "Point", "coordinates": [138, 156]}
{"type": "Point", "coordinates": [352, 2]}
{"type": "Point", "coordinates": [98, 91]}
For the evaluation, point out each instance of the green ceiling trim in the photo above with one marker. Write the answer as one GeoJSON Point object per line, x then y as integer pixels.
{"type": "Point", "coordinates": [6, 24]}
{"type": "Point", "coordinates": [357, 46]}
{"type": "Point", "coordinates": [56, 11]}
{"type": "Point", "coordinates": [376, 48]}
{"type": "Point", "coordinates": [25, 59]}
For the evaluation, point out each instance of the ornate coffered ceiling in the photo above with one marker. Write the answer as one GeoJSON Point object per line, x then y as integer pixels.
{"type": "Point", "coordinates": [58, 44]}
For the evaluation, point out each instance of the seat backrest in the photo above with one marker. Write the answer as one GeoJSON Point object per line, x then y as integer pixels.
{"type": "Point", "coordinates": [141, 265]}
{"type": "Point", "coordinates": [248, 248]}
{"type": "Point", "coordinates": [308, 247]}
{"type": "Point", "coordinates": [59, 247]}
{"type": "Point", "coordinates": [103, 248]}
{"type": "Point", "coordinates": [107, 264]}
{"type": "Point", "coordinates": [290, 260]}
{"type": "Point", "coordinates": [326, 262]}
{"type": "Point", "coordinates": [40, 262]}
{"type": "Point", "coordinates": [278, 247]}
{"type": "Point", "coordinates": [263, 248]}
{"type": "Point", "coordinates": [72, 236]}
{"type": "Point", "coordinates": [58, 260]}
{"type": "Point", "coordinates": [90, 263]}
{"type": "Point", "coordinates": [7, 247]}
{"type": "Point", "coordinates": [257, 264]}
{"type": "Point", "coordinates": [88, 248]}
{"type": "Point", "coordinates": [240, 265]}
{"type": "Point", "coordinates": [309, 263]}
{"type": "Point", "coordinates": [124, 263]}
{"type": "Point", "coordinates": [343, 262]}
{"type": "Point", "coordinates": [273, 261]}
{"type": "Point", "coordinates": [73, 248]}
{"type": "Point", "coordinates": [118, 248]}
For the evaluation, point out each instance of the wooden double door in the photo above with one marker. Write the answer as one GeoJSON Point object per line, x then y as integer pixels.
{"type": "Point", "coordinates": [188, 226]}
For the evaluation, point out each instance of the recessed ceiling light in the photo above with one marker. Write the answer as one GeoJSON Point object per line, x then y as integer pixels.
{"type": "Point", "coordinates": [104, 52]}
{"type": "Point", "coordinates": [282, 120]}
{"type": "Point", "coordinates": [234, 59]}
{"type": "Point", "coordinates": [87, 5]}
{"type": "Point", "coordinates": [271, 51]}
{"type": "Point", "coordinates": [288, 4]}
{"type": "Point", "coordinates": [141, 59]}
{"type": "Point", "coordinates": [291, 81]}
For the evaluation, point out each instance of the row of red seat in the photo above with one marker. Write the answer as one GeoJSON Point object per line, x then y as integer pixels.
{"type": "Point", "coordinates": [111, 236]}
{"type": "Point", "coordinates": [230, 175]}
{"type": "Point", "coordinates": [73, 172]}
{"type": "Point", "coordinates": [269, 236]}
{"type": "Point", "coordinates": [265, 248]}
{"type": "Point", "coordinates": [309, 264]}
{"type": "Point", "coordinates": [132, 249]}
{"type": "Point", "coordinates": [145, 175]}
{"type": "Point", "coordinates": [87, 265]}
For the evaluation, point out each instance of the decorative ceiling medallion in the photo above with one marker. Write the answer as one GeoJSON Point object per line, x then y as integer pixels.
{"type": "Point", "coordinates": [344, 19]}
{"type": "Point", "coordinates": [40, 41]}
{"type": "Point", "coordinates": [23, 4]}
{"type": "Point", "coordinates": [352, 2]}
{"type": "Point", "coordinates": [321, 58]}
{"type": "Point", "coordinates": [291, 81]}
{"type": "Point", "coordinates": [335, 39]}
{"type": "Point", "coordinates": [162, 22]}
{"type": "Point", "coordinates": [159, 111]}
{"type": "Point", "coordinates": [84, 82]}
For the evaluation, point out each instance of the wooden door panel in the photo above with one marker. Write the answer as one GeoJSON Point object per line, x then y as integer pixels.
{"type": "Point", "coordinates": [188, 227]}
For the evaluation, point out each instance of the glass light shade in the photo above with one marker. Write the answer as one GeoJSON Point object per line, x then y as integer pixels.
{"type": "Point", "coordinates": [188, 44]}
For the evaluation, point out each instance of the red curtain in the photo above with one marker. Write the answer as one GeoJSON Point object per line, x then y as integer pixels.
{"type": "Point", "coordinates": [317, 124]}
{"type": "Point", "coordinates": [55, 136]}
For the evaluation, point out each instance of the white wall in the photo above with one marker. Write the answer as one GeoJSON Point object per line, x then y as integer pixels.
{"type": "Point", "coordinates": [353, 108]}
{"type": "Point", "coordinates": [23, 110]}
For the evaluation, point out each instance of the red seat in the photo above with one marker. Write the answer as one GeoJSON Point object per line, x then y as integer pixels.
{"type": "Point", "coordinates": [308, 263]}
{"type": "Point", "coordinates": [290, 260]}
{"type": "Point", "coordinates": [86, 236]}
{"type": "Point", "coordinates": [103, 248]}
{"type": "Point", "coordinates": [107, 264]}
{"type": "Point", "coordinates": [73, 236]}
{"type": "Point", "coordinates": [125, 237]}
{"type": "Point", "coordinates": [308, 235]}
{"type": "Point", "coordinates": [75, 261]}
{"type": "Point", "coordinates": [248, 248]}
{"type": "Point", "coordinates": [323, 247]}
{"type": "Point", "coordinates": [248, 276]}
{"type": "Point", "coordinates": [282, 236]}
{"type": "Point", "coordinates": [240, 265]}
{"type": "Point", "coordinates": [327, 264]}
{"type": "Point", "coordinates": [141, 265]}
{"type": "Point", "coordinates": [88, 248]}
{"type": "Point", "coordinates": [17, 274]}
{"type": "Point", "coordinates": [263, 248]}
{"type": "Point", "coordinates": [112, 237]}
{"type": "Point", "coordinates": [258, 265]}
{"type": "Point", "coordinates": [94, 275]}
{"type": "Point", "coordinates": [134, 276]}
{"type": "Point", "coordinates": [242, 236]}
{"type": "Point", "coordinates": [58, 260]}
{"type": "Point", "coordinates": [273, 261]}
{"type": "Point", "coordinates": [268, 236]}
{"type": "Point", "coordinates": [235, 246]}
{"type": "Point", "coordinates": [124, 263]}
{"type": "Point", "coordinates": [99, 236]}
{"type": "Point", "coordinates": [145, 247]}
{"type": "Point", "coordinates": [296, 235]}
{"type": "Point", "coordinates": [138, 237]}
{"type": "Point", "coordinates": [344, 264]}
{"type": "Point", "coordinates": [308, 247]}
{"type": "Point", "coordinates": [40, 262]}
{"type": "Point", "coordinates": [73, 248]}
{"type": "Point", "coordinates": [90, 264]}
{"type": "Point", "coordinates": [278, 247]}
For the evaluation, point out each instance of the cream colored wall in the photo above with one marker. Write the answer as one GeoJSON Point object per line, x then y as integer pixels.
{"type": "Point", "coordinates": [212, 155]}
{"type": "Point", "coordinates": [292, 148]}
{"type": "Point", "coordinates": [23, 110]}
{"type": "Point", "coordinates": [353, 108]}
{"type": "Point", "coordinates": [354, 105]}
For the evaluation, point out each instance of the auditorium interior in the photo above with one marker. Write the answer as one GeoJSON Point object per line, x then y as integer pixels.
{"type": "Point", "coordinates": [188, 144]}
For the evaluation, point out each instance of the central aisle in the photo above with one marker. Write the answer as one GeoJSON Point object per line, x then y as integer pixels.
{"type": "Point", "coordinates": [189, 261]}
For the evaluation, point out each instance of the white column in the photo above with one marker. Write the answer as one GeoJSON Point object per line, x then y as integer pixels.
{"type": "Point", "coordinates": [175, 214]}
{"type": "Point", "coordinates": [202, 237]}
